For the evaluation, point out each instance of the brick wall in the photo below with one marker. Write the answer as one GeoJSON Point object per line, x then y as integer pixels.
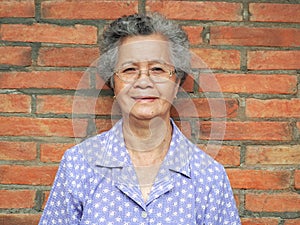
{"type": "Point", "coordinates": [252, 47]}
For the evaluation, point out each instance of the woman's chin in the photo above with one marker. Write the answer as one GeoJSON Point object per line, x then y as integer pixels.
{"type": "Point", "coordinates": [143, 115]}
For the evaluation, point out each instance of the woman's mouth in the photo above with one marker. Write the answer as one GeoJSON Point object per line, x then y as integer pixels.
{"type": "Point", "coordinates": [145, 98]}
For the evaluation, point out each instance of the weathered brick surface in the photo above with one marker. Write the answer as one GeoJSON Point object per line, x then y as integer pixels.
{"type": "Point", "coordinates": [19, 151]}
{"type": "Point", "coordinates": [259, 180]}
{"type": "Point", "coordinates": [260, 221]}
{"type": "Point", "coordinates": [53, 152]}
{"type": "Point", "coordinates": [15, 55]}
{"type": "Point", "coordinates": [15, 9]}
{"type": "Point", "coordinates": [78, 34]}
{"type": "Point", "coordinates": [15, 103]}
{"type": "Point", "coordinates": [17, 198]}
{"type": "Point", "coordinates": [268, 12]}
{"type": "Point", "coordinates": [190, 10]}
{"type": "Point", "coordinates": [227, 155]}
{"type": "Point", "coordinates": [292, 222]}
{"type": "Point", "coordinates": [30, 175]}
{"type": "Point", "coordinates": [273, 108]}
{"type": "Point", "coordinates": [297, 179]}
{"type": "Point", "coordinates": [248, 83]}
{"type": "Point", "coordinates": [273, 60]}
{"type": "Point", "coordinates": [279, 202]}
{"type": "Point", "coordinates": [240, 105]}
{"type": "Point", "coordinates": [255, 131]}
{"type": "Point", "coordinates": [69, 104]}
{"type": "Point", "coordinates": [67, 57]}
{"type": "Point", "coordinates": [194, 34]}
{"type": "Point", "coordinates": [87, 9]}
{"type": "Point", "coordinates": [255, 36]}
{"type": "Point", "coordinates": [49, 127]}
{"type": "Point", "coordinates": [216, 59]}
{"type": "Point", "coordinates": [68, 80]}
{"type": "Point", "coordinates": [13, 219]}
{"type": "Point", "coordinates": [273, 155]}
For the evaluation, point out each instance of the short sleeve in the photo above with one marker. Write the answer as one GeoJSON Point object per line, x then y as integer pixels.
{"type": "Point", "coordinates": [64, 205]}
{"type": "Point", "coordinates": [221, 208]}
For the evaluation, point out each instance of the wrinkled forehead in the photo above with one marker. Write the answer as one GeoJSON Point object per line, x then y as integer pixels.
{"type": "Point", "coordinates": [143, 51]}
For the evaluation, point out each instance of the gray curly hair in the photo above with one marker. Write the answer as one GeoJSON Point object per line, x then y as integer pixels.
{"type": "Point", "coordinates": [135, 25]}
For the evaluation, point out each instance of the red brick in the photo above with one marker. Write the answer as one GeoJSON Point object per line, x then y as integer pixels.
{"type": "Point", "coordinates": [260, 221]}
{"type": "Point", "coordinates": [266, 12]}
{"type": "Point", "coordinates": [78, 34]}
{"type": "Point", "coordinates": [51, 56]}
{"type": "Point", "coordinates": [215, 59]}
{"type": "Point", "coordinates": [259, 179]}
{"type": "Point", "coordinates": [53, 152]}
{"type": "Point", "coordinates": [226, 155]}
{"type": "Point", "coordinates": [208, 107]}
{"type": "Point", "coordinates": [257, 131]}
{"type": "Point", "coordinates": [17, 199]}
{"type": "Point", "coordinates": [102, 125]}
{"type": "Point", "coordinates": [13, 219]}
{"type": "Point", "coordinates": [187, 10]}
{"type": "Point", "coordinates": [17, 151]}
{"type": "Point", "coordinates": [100, 83]}
{"type": "Point", "coordinates": [45, 198]}
{"type": "Point", "coordinates": [297, 179]}
{"type": "Point", "coordinates": [69, 80]}
{"type": "Point", "coordinates": [273, 155]}
{"type": "Point", "coordinates": [237, 200]}
{"type": "Point", "coordinates": [87, 9]}
{"type": "Point", "coordinates": [273, 60]}
{"type": "Point", "coordinates": [23, 126]}
{"type": "Point", "coordinates": [14, 8]}
{"type": "Point", "coordinates": [15, 103]}
{"type": "Point", "coordinates": [279, 202]}
{"type": "Point", "coordinates": [69, 104]}
{"type": "Point", "coordinates": [27, 175]}
{"type": "Point", "coordinates": [292, 222]}
{"type": "Point", "coordinates": [188, 85]}
{"type": "Point", "coordinates": [273, 108]}
{"type": "Point", "coordinates": [185, 128]}
{"type": "Point", "coordinates": [254, 36]}
{"type": "Point", "coordinates": [16, 56]}
{"type": "Point", "coordinates": [248, 83]}
{"type": "Point", "coordinates": [194, 34]}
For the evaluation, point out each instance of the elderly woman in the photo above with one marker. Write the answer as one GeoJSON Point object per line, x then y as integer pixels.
{"type": "Point", "coordinates": [143, 170]}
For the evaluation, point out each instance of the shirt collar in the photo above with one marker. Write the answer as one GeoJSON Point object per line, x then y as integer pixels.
{"type": "Point", "coordinates": [111, 151]}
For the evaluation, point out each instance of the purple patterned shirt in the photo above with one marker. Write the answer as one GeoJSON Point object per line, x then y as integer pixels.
{"type": "Point", "coordinates": [96, 184]}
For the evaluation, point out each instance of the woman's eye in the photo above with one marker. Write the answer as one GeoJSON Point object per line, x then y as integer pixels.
{"type": "Point", "coordinates": [129, 70]}
{"type": "Point", "coordinates": [157, 69]}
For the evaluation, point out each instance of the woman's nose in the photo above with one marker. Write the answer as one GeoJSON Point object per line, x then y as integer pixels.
{"type": "Point", "coordinates": [143, 80]}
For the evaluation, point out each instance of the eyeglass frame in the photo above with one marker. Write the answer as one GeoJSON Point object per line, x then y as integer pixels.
{"type": "Point", "coordinates": [170, 72]}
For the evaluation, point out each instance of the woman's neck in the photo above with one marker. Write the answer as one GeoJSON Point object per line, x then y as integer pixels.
{"type": "Point", "coordinates": [147, 141]}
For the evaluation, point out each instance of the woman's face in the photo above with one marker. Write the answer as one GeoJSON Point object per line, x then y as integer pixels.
{"type": "Point", "coordinates": [145, 98]}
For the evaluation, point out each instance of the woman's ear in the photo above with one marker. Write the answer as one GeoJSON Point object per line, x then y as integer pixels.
{"type": "Point", "coordinates": [176, 88]}
{"type": "Point", "coordinates": [112, 82]}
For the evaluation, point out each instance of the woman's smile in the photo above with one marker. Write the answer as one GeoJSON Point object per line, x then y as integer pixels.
{"type": "Point", "coordinates": [145, 99]}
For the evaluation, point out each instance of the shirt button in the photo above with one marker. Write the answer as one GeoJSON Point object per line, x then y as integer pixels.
{"type": "Point", "coordinates": [144, 214]}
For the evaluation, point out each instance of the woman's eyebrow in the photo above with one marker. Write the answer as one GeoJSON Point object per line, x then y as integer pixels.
{"type": "Point", "coordinates": [135, 63]}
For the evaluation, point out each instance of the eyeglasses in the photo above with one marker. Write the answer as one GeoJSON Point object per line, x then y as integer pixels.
{"type": "Point", "coordinates": [158, 73]}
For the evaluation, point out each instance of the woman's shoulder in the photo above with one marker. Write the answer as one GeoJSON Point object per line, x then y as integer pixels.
{"type": "Point", "coordinates": [203, 163]}
{"type": "Point", "coordinates": [77, 160]}
{"type": "Point", "coordinates": [81, 150]}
